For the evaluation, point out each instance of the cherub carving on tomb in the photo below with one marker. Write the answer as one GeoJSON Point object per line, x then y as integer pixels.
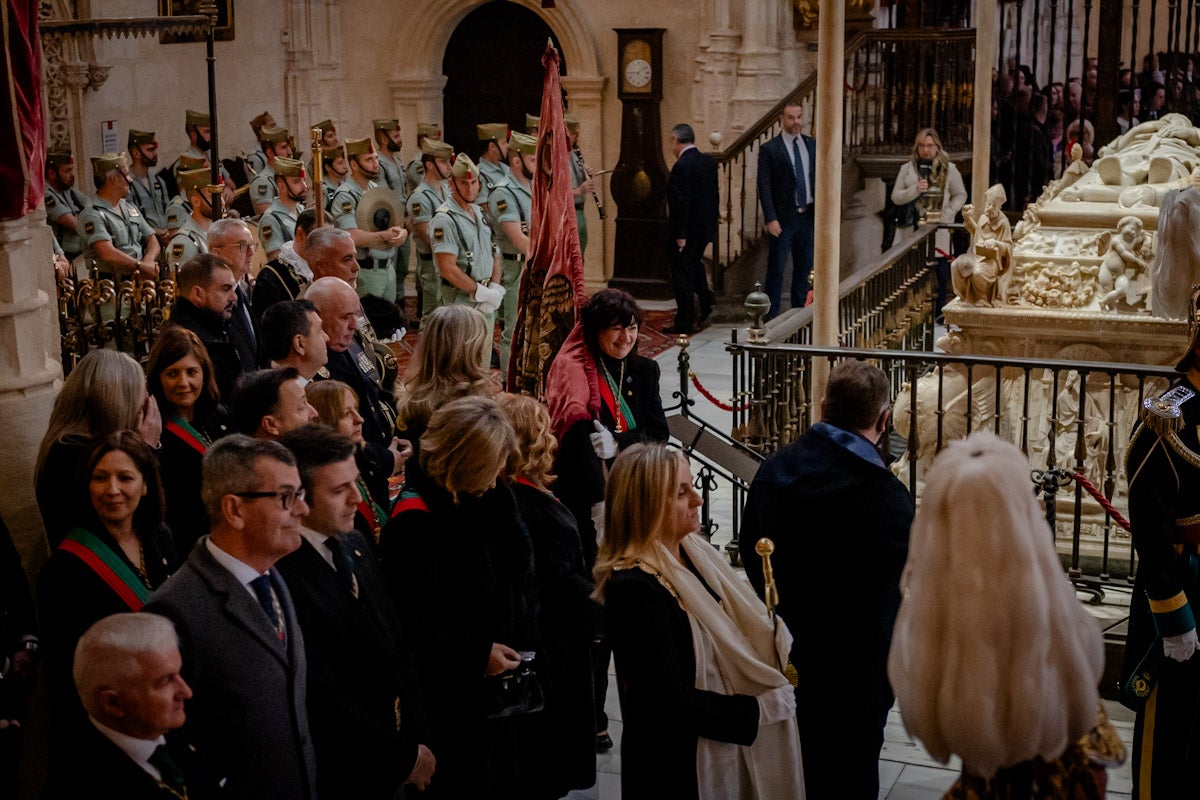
{"type": "Point", "coordinates": [1124, 273]}
{"type": "Point", "coordinates": [981, 276]}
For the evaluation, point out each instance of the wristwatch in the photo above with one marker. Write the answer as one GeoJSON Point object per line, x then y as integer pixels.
{"type": "Point", "coordinates": [30, 646]}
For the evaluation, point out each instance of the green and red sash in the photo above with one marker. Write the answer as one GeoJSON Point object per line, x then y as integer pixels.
{"type": "Point", "coordinates": [190, 436]}
{"type": "Point", "coordinates": [109, 566]}
{"type": "Point", "coordinates": [370, 510]}
{"type": "Point", "coordinates": [610, 393]}
{"type": "Point", "coordinates": [409, 501]}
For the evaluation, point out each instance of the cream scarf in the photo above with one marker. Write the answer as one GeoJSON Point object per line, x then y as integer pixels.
{"type": "Point", "coordinates": [738, 651]}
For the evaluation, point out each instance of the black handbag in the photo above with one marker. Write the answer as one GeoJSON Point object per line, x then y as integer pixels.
{"type": "Point", "coordinates": [517, 691]}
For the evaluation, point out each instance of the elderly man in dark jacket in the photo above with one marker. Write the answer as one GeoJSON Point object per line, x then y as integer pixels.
{"type": "Point", "coordinates": [840, 522]}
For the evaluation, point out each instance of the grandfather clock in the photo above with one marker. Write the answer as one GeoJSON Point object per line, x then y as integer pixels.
{"type": "Point", "coordinates": [639, 181]}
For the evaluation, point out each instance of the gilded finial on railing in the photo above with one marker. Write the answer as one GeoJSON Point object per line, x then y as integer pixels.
{"type": "Point", "coordinates": [765, 547]}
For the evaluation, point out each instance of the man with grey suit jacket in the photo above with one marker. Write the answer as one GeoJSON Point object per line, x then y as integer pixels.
{"type": "Point", "coordinates": [240, 640]}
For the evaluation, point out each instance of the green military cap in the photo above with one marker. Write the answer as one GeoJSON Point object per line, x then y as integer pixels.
{"type": "Point", "coordinates": [532, 123]}
{"type": "Point", "coordinates": [273, 135]}
{"type": "Point", "coordinates": [572, 123]}
{"type": "Point", "coordinates": [187, 162]}
{"type": "Point", "coordinates": [431, 129]}
{"type": "Point", "coordinates": [59, 158]}
{"type": "Point", "coordinates": [288, 168]}
{"type": "Point", "coordinates": [522, 143]}
{"type": "Point", "coordinates": [437, 149]}
{"type": "Point", "coordinates": [386, 125]}
{"type": "Point", "coordinates": [193, 180]}
{"type": "Point", "coordinates": [108, 162]}
{"type": "Point", "coordinates": [198, 118]}
{"type": "Point", "coordinates": [140, 137]}
{"type": "Point", "coordinates": [263, 120]}
{"type": "Point", "coordinates": [326, 125]}
{"type": "Point", "coordinates": [358, 147]}
{"type": "Point", "coordinates": [491, 130]}
{"type": "Point", "coordinates": [464, 166]}
{"type": "Point", "coordinates": [332, 154]}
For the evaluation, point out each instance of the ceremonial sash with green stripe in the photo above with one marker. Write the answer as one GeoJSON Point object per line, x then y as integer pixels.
{"type": "Point", "coordinates": [109, 566]}
{"type": "Point", "coordinates": [191, 437]}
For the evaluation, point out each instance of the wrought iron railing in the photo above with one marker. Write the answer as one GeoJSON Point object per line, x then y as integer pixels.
{"type": "Point", "coordinates": [97, 311]}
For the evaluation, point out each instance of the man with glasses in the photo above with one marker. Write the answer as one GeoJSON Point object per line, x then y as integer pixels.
{"type": "Point", "coordinates": [232, 240]}
{"type": "Point", "coordinates": [244, 650]}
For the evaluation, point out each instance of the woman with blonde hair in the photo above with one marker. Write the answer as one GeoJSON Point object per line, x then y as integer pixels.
{"type": "Point", "coordinates": [708, 712]}
{"type": "Point", "coordinates": [1009, 687]}
{"type": "Point", "coordinates": [460, 566]}
{"type": "Point", "coordinates": [567, 615]}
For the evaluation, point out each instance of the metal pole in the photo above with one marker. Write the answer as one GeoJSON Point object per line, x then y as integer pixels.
{"type": "Point", "coordinates": [831, 76]}
{"type": "Point", "coordinates": [210, 9]}
{"type": "Point", "coordinates": [985, 43]}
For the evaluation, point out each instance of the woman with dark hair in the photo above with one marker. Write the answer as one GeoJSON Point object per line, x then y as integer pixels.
{"type": "Point", "coordinates": [179, 375]}
{"type": "Point", "coordinates": [110, 563]}
{"type": "Point", "coordinates": [602, 398]}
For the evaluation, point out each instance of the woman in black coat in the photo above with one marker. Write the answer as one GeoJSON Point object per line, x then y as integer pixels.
{"type": "Point", "coordinates": [563, 735]}
{"type": "Point", "coordinates": [460, 566]}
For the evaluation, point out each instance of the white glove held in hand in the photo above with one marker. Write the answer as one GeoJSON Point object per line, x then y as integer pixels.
{"type": "Point", "coordinates": [488, 297]}
{"type": "Point", "coordinates": [1181, 647]}
{"type": "Point", "coordinates": [602, 441]}
{"type": "Point", "coordinates": [776, 705]}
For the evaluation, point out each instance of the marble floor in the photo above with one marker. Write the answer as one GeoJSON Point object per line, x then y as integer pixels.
{"type": "Point", "coordinates": [906, 771]}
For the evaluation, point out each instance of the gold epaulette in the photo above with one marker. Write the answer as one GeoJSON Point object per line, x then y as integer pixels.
{"type": "Point", "coordinates": [1164, 414]}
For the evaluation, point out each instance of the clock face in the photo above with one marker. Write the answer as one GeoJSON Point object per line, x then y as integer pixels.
{"type": "Point", "coordinates": [638, 73]}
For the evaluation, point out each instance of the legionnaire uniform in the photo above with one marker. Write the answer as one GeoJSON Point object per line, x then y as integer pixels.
{"type": "Point", "coordinates": [201, 120]}
{"type": "Point", "coordinates": [59, 204]}
{"type": "Point", "coordinates": [510, 201]}
{"type": "Point", "coordinates": [391, 168]}
{"type": "Point", "coordinates": [262, 187]}
{"type": "Point", "coordinates": [180, 208]}
{"type": "Point", "coordinates": [256, 162]}
{"type": "Point", "coordinates": [151, 197]}
{"type": "Point", "coordinates": [332, 182]}
{"type": "Point", "coordinates": [1163, 467]}
{"type": "Point", "coordinates": [466, 235]}
{"type": "Point", "coordinates": [190, 239]}
{"type": "Point", "coordinates": [491, 174]}
{"type": "Point", "coordinates": [277, 225]}
{"type": "Point", "coordinates": [422, 203]}
{"type": "Point", "coordinates": [414, 172]}
{"type": "Point", "coordinates": [378, 267]}
{"type": "Point", "coordinates": [578, 176]}
{"type": "Point", "coordinates": [122, 225]}
{"type": "Point", "coordinates": [532, 125]}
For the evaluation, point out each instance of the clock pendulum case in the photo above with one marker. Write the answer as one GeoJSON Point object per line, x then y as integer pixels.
{"type": "Point", "coordinates": [639, 181]}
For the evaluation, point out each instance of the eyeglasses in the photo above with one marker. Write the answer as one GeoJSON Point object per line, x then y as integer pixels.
{"type": "Point", "coordinates": [286, 497]}
{"type": "Point", "coordinates": [239, 245]}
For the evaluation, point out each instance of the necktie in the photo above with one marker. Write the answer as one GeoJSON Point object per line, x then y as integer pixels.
{"type": "Point", "coordinates": [244, 309]}
{"type": "Point", "coordinates": [342, 564]}
{"type": "Point", "coordinates": [262, 590]}
{"type": "Point", "coordinates": [801, 175]}
{"type": "Point", "coordinates": [172, 776]}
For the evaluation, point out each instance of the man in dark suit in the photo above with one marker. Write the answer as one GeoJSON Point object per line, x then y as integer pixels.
{"type": "Point", "coordinates": [786, 191]}
{"type": "Point", "coordinates": [207, 300]}
{"type": "Point", "coordinates": [232, 240]}
{"type": "Point", "coordinates": [127, 673]}
{"type": "Point", "coordinates": [242, 645]}
{"type": "Point", "coordinates": [368, 717]}
{"type": "Point", "coordinates": [840, 522]}
{"type": "Point", "coordinates": [692, 199]}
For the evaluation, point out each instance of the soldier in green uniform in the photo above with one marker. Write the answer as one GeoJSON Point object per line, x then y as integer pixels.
{"type": "Point", "coordinates": [509, 207]}
{"type": "Point", "coordinates": [333, 161]}
{"type": "Point", "coordinates": [64, 203]}
{"type": "Point", "coordinates": [180, 207]}
{"type": "Point", "coordinates": [116, 237]}
{"type": "Point", "coordinates": [192, 237]}
{"type": "Point", "coordinates": [1162, 671]}
{"type": "Point", "coordinates": [198, 127]}
{"type": "Point", "coordinates": [256, 161]}
{"type": "Point", "coordinates": [415, 169]}
{"type": "Point", "coordinates": [277, 226]}
{"type": "Point", "coordinates": [276, 144]}
{"type": "Point", "coordinates": [532, 125]}
{"type": "Point", "coordinates": [582, 183]}
{"type": "Point", "coordinates": [430, 195]}
{"type": "Point", "coordinates": [493, 157]}
{"type": "Point", "coordinates": [467, 258]}
{"type": "Point", "coordinates": [388, 142]}
{"type": "Point", "coordinates": [147, 191]}
{"type": "Point", "coordinates": [329, 137]}
{"type": "Point", "coordinates": [376, 250]}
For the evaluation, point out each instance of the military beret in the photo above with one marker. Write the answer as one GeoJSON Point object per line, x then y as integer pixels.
{"type": "Point", "coordinates": [59, 158]}
{"type": "Point", "coordinates": [288, 168]}
{"type": "Point", "coordinates": [464, 166]}
{"type": "Point", "coordinates": [187, 162]}
{"type": "Point", "coordinates": [429, 129]}
{"type": "Point", "coordinates": [437, 149]}
{"type": "Point", "coordinates": [326, 125]}
{"type": "Point", "coordinates": [332, 154]}
{"type": "Point", "coordinates": [193, 180]}
{"type": "Point", "coordinates": [522, 143]}
{"type": "Point", "coordinates": [198, 118]}
{"type": "Point", "coordinates": [273, 135]}
{"type": "Point", "coordinates": [108, 162]}
{"type": "Point", "coordinates": [571, 122]}
{"type": "Point", "coordinates": [263, 120]}
{"type": "Point", "coordinates": [532, 123]}
{"type": "Point", "coordinates": [140, 137]}
{"type": "Point", "coordinates": [491, 130]}
{"type": "Point", "coordinates": [359, 147]}
{"type": "Point", "coordinates": [386, 124]}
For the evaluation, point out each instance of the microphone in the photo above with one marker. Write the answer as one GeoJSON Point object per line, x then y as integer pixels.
{"type": "Point", "coordinates": [924, 167]}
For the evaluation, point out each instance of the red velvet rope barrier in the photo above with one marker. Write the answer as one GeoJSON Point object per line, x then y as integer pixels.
{"type": "Point", "coordinates": [1102, 500]}
{"type": "Point", "coordinates": [709, 395]}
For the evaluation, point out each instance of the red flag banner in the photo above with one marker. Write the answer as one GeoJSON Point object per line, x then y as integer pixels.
{"type": "Point", "coordinates": [22, 135]}
{"type": "Point", "coordinates": [551, 289]}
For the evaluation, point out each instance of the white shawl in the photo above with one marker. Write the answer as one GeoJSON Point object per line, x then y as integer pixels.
{"type": "Point", "coordinates": [738, 651]}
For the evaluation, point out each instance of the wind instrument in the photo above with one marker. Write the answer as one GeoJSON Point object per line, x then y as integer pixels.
{"type": "Point", "coordinates": [318, 181]}
{"type": "Point", "coordinates": [595, 195]}
{"type": "Point", "coordinates": [765, 547]}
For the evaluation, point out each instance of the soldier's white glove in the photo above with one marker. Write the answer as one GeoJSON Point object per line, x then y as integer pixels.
{"type": "Point", "coordinates": [598, 520]}
{"type": "Point", "coordinates": [776, 705]}
{"type": "Point", "coordinates": [1181, 647]}
{"type": "Point", "coordinates": [489, 297]}
{"type": "Point", "coordinates": [602, 441]}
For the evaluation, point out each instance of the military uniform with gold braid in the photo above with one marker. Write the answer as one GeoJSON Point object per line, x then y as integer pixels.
{"type": "Point", "coordinates": [1161, 678]}
{"type": "Point", "coordinates": [58, 204]}
{"type": "Point", "coordinates": [151, 197]}
{"type": "Point", "coordinates": [190, 239]}
{"type": "Point", "coordinates": [123, 225]}
{"type": "Point", "coordinates": [422, 203]}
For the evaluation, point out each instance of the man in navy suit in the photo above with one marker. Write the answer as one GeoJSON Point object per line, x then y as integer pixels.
{"type": "Point", "coordinates": [692, 198]}
{"type": "Point", "coordinates": [786, 192]}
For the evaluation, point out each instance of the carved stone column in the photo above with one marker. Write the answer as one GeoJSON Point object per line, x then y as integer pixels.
{"type": "Point", "coordinates": [759, 75]}
{"type": "Point", "coordinates": [584, 94]}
